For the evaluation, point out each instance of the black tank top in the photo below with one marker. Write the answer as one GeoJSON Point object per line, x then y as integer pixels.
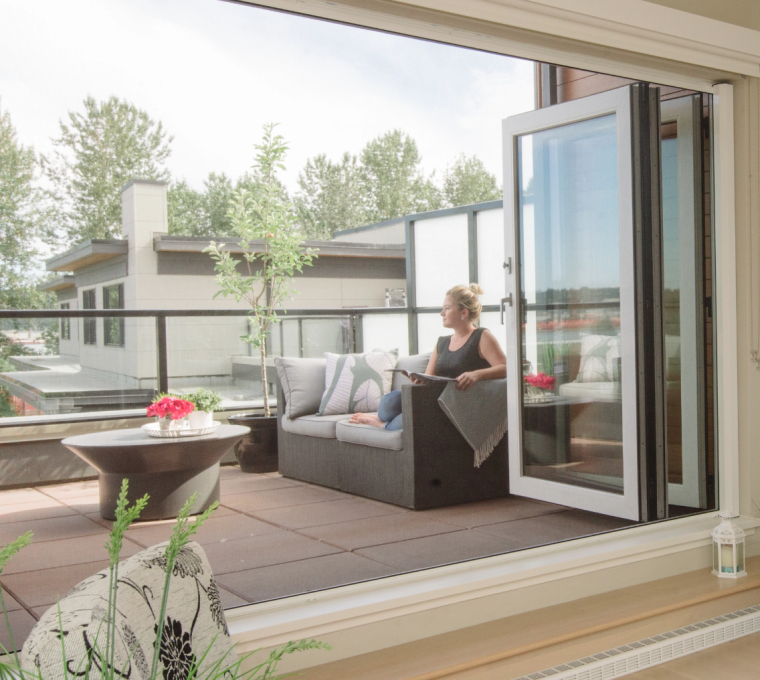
{"type": "Point", "coordinates": [466, 358]}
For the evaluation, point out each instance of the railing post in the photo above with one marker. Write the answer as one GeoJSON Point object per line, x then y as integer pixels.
{"type": "Point", "coordinates": [162, 367]}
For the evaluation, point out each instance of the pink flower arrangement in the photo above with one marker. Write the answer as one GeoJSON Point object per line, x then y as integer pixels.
{"type": "Point", "coordinates": [540, 380]}
{"type": "Point", "coordinates": [174, 407]}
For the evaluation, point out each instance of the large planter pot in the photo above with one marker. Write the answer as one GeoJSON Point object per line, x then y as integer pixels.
{"type": "Point", "coordinates": [257, 451]}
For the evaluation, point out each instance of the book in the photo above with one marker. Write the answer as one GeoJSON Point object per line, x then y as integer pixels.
{"type": "Point", "coordinates": [424, 377]}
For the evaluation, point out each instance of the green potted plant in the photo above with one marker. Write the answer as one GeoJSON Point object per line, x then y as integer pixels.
{"type": "Point", "coordinates": [205, 402]}
{"type": "Point", "coordinates": [264, 220]}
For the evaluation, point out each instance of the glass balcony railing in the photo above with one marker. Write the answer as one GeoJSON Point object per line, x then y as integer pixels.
{"type": "Point", "coordinates": [65, 363]}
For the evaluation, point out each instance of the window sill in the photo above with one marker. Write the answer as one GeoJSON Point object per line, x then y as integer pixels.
{"type": "Point", "coordinates": [385, 602]}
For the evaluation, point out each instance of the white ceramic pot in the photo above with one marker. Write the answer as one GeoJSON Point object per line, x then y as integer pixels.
{"type": "Point", "coordinates": [200, 419]}
{"type": "Point", "coordinates": [166, 423]}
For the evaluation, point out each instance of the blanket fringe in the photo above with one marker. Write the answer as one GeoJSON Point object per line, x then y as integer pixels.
{"type": "Point", "coordinates": [482, 453]}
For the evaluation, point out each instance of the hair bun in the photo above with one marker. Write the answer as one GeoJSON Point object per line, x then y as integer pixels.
{"type": "Point", "coordinates": [476, 288]}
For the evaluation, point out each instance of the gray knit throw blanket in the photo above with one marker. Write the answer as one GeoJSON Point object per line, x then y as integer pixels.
{"type": "Point", "coordinates": [480, 414]}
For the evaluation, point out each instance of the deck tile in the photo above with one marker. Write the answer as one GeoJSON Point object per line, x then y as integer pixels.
{"type": "Point", "coordinates": [65, 552]}
{"type": "Point", "coordinates": [51, 529]}
{"type": "Point", "coordinates": [237, 485]}
{"type": "Point", "coordinates": [363, 533]}
{"type": "Point", "coordinates": [20, 496]}
{"type": "Point", "coordinates": [215, 530]}
{"type": "Point", "coordinates": [38, 509]}
{"type": "Point", "coordinates": [433, 551]}
{"type": "Point", "coordinates": [262, 551]}
{"type": "Point", "coordinates": [278, 498]}
{"type": "Point", "coordinates": [490, 512]}
{"type": "Point", "coordinates": [328, 512]}
{"type": "Point", "coordinates": [304, 576]}
{"type": "Point", "coordinates": [563, 526]}
{"type": "Point", "coordinates": [43, 587]}
{"type": "Point", "coordinates": [22, 623]}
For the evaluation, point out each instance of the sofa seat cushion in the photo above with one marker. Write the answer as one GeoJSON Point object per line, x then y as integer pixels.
{"type": "Point", "coordinates": [368, 435]}
{"type": "Point", "coordinates": [596, 391]}
{"type": "Point", "coordinates": [314, 426]}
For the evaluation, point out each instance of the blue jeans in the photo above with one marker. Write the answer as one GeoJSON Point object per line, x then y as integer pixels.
{"type": "Point", "coordinates": [389, 410]}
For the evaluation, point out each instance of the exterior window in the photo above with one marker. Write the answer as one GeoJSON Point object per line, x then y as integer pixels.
{"type": "Point", "coordinates": [65, 324]}
{"type": "Point", "coordinates": [89, 325]}
{"type": "Point", "coordinates": [113, 328]}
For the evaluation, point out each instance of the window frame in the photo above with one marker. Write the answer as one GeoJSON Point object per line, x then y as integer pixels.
{"type": "Point", "coordinates": [110, 323]}
{"type": "Point", "coordinates": [90, 326]}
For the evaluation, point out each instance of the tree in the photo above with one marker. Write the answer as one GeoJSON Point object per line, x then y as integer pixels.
{"type": "Point", "coordinates": [195, 213]}
{"type": "Point", "coordinates": [267, 217]}
{"type": "Point", "coordinates": [21, 221]}
{"type": "Point", "coordinates": [98, 152]}
{"type": "Point", "coordinates": [331, 196]}
{"type": "Point", "coordinates": [468, 181]}
{"type": "Point", "coordinates": [394, 184]}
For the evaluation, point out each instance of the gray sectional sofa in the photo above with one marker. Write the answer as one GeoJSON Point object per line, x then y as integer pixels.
{"type": "Point", "coordinates": [426, 465]}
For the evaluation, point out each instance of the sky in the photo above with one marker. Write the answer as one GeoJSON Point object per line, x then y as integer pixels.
{"type": "Point", "coordinates": [214, 72]}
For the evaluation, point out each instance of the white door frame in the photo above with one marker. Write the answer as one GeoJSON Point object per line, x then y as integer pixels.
{"type": "Point", "coordinates": [625, 505]}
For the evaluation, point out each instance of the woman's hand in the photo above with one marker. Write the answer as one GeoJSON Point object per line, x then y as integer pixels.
{"type": "Point", "coordinates": [415, 381]}
{"type": "Point", "coordinates": [467, 380]}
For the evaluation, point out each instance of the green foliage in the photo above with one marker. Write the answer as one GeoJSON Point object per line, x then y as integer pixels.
{"type": "Point", "coordinates": [394, 184]}
{"type": "Point", "coordinates": [264, 221]}
{"type": "Point", "coordinates": [22, 221]}
{"type": "Point", "coordinates": [331, 197]}
{"type": "Point", "coordinates": [467, 181]}
{"type": "Point", "coordinates": [201, 213]}
{"type": "Point", "coordinates": [205, 400]}
{"type": "Point", "coordinates": [99, 151]}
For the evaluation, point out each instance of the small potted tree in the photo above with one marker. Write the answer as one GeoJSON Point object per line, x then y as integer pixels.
{"type": "Point", "coordinates": [205, 402]}
{"type": "Point", "coordinates": [264, 220]}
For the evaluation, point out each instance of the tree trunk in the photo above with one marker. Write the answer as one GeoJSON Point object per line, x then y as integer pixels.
{"type": "Point", "coordinates": [265, 386]}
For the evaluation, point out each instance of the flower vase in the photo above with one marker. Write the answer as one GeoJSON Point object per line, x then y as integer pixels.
{"type": "Point", "coordinates": [199, 420]}
{"type": "Point", "coordinates": [166, 423]}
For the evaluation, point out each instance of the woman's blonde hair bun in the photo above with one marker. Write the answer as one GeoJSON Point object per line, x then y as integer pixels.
{"type": "Point", "coordinates": [466, 297]}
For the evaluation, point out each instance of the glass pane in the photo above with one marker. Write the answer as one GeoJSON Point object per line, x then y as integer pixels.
{"type": "Point", "coordinates": [429, 329]}
{"type": "Point", "coordinates": [671, 306]}
{"type": "Point", "coordinates": [44, 374]}
{"type": "Point", "coordinates": [291, 342]}
{"type": "Point", "coordinates": [208, 352]}
{"type": "Point", "coordinates": [570, 278]}
{"type": "Point", "coordinates": [386, 332]}
{"type": "Point", "coordinates": [492, 321]}
{"type": "Point", "coordinates": [441, 257]}
{"type": "Point", "coordinates": [490, 224]}
{"type": "Point", "coordinates": [324, 335]}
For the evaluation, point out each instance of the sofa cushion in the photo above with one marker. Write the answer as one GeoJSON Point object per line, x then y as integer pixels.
{"type": "Point", "coordinates": [417, 363]}
{"type": "Point", "coordinates": [194, 619]}
{"type": "Point", "coordinates": [595, 391]}
{"type": "Point", "coordinates": [599, 355]}
{"type": "Point", "coordinates": [356, 382]}
{"type": "Point", "coordinates": [314, 425]}
{"type": "Point", "coordinates": [368, 435]}
{"type": "Point", "coordinates": [303, 382]}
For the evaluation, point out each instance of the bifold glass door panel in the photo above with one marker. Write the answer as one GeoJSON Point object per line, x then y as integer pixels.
{"type": "Point", "coordinates": [571, 327]}
{"type": "Point", "coordinates": [683, 304]}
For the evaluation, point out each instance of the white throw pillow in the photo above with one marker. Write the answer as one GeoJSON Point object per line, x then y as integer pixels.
{"type": "Point", "coordinates": [598, 357]}
{"type": "Point", "coordinates": [355, 383]}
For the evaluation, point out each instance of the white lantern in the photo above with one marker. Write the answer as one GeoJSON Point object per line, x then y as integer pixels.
{"type": "Point", "coordinates": [728, 549]}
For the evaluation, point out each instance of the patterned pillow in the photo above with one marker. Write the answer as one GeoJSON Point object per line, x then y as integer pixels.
{"type": "Point", "coordinates": [598, 358]}
{"type": "Point", "coordinates": [194, 622]}
{"type": "Point", "coordinates": [355, 383]}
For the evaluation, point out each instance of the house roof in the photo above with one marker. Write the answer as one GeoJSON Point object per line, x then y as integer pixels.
{"type": "Point", "coordinates": [89, 252]}
{"type": "Point", "coordinates": [58, 283]}
{"type": "Point", "coordinates": [196, 244]}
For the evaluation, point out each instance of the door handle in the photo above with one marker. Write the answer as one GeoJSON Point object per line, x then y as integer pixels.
{"type": "Point", "coordinates": [504, 301]}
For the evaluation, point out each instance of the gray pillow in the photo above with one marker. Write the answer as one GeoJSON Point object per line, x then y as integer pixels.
{"type": "Point", "coordinates": [303, 382]}
{"type": "Point", "coordinates": [417, 363]}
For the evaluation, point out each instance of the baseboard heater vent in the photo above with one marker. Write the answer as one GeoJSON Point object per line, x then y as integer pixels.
{"type": "Point", "coordinates": [636, 656]}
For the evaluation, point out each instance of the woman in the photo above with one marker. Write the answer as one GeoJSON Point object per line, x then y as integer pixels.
{"type": "Point", "coordinates": [470, 355]}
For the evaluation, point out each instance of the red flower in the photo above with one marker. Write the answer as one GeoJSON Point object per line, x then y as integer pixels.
{"type": "Point", "coordinates": [541, 380]}
{"type": "Point", "coordinates": [174, 407]}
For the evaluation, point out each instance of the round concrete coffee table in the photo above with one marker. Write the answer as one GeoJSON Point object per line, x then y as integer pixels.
{"type": "Point", "coordinates": [169, 470]}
